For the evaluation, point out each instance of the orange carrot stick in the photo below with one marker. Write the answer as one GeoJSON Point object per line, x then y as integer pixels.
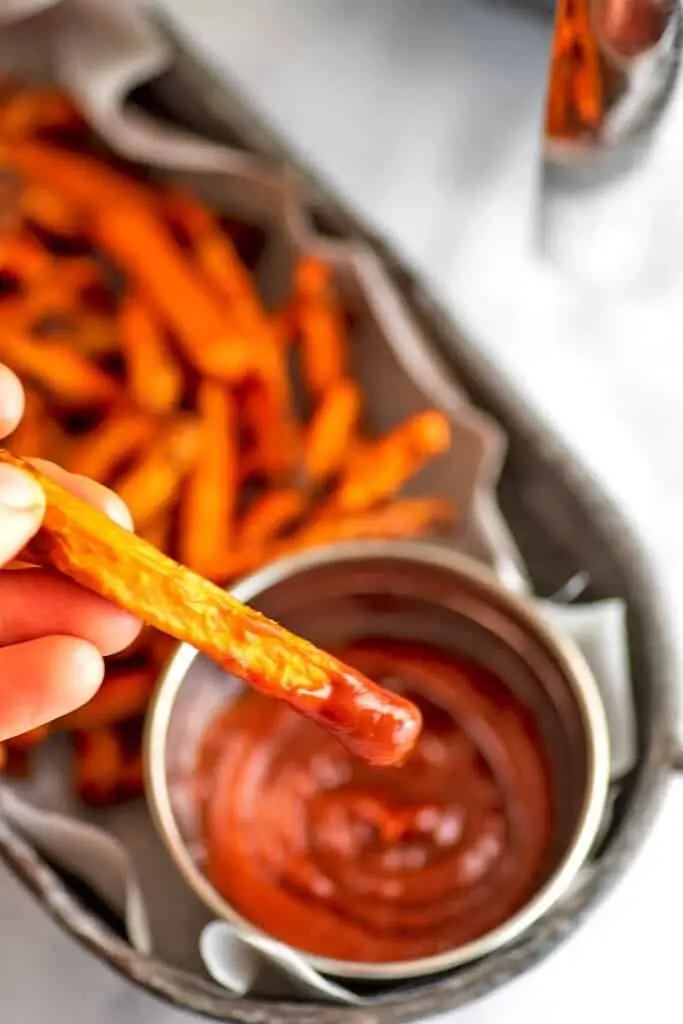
{"type": "Point", "coordinates": [26, 111]}
{"type": "Point", "coordinates": [104, 772]}
{"type": "Point", "coordinates": [125, 222]}
{"type": "Point", "coordinates": [330, 433]}
{"type": "Point", "coordinates": [219, 260]}
{"type": "Point", "coordinates": [145, 250]}
{"type": "Point", "coordinates": [154, 481]}
{"type": "Point", "coordinates": [58, 369]}
{"type": "Point", "coordinates": [211, 489]}
{"type": "Point", "coordinates": [86, 545]}
{"type": "Point", "coordinates": [576, 101]}
{"type": "Point", "coordinates": [216, 255]}
{"type": "Point", "coordinates": [123, 433]}
{"type": "Point", "coordinates": [154, 376]}
{"type": "Point", "coordinates": [408, 517]}
{"type": "Point", "coordinates": [82, 180]}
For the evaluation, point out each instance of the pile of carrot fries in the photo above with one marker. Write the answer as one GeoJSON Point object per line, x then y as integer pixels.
{"type": "Point", "coordinates": [132, 314]}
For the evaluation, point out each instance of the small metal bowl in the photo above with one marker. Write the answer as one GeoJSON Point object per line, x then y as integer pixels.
{"type": "Point", "coordinates": [409, 591]}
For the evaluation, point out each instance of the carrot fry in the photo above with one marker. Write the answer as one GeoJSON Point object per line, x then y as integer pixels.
{"type": "Point", "coordinates": [268, 516]}
{"type": "Point", "coordinates": [120, 436]}
{"type": "Point", "coordinates": [219, 260]}
{"type": "Point", "coordinates": [50, 210]}
{"type": "Point", "coordinates": [383, 467]}
{"type": "Point", "coordinates": [322, 332]}
{"type": "Point", "coordinates": [153, 482]}
{"type": "Point", "coordinates": [145, 250]}
{"type": "Point", "coordinates": [124, 694]}
{"type": "Point", "coordinates": [331, 432]}
{"type": "Point", "coordinates": [82, 180]}
{"type": "Point", "coordinates": [57, 368]}
{"type": "Point", "coordinates": [27, 111]}
{"type": "Point", "coordinates": [273, 421]}
{"type": "Point", "coordinates": [86, 545]}
{"type": "Point", "coordinates": [211, 489]}
{"type": "Point", "coordinates": [409, 517]}
{"type": "Point", "coordinates": [154, 376]}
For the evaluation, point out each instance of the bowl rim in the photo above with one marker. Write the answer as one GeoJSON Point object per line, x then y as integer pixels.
{"type": "Point", "coordinates": [564, 651]}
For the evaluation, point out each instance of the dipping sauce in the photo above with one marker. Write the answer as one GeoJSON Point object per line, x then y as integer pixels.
{"type": "Point", "coordinates": [356, 863]}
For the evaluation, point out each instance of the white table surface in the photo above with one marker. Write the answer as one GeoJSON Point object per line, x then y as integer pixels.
{"type": "Point", "coordinates": [426, 115]}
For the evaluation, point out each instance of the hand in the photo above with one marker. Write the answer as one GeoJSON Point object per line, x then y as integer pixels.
{"type": "Point", "coordinates": [53, 633]}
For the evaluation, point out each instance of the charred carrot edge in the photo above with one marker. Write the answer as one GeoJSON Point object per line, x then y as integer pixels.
{"type": "Point", "coordinates": [330, 434]}
{"type": "Point", "coordinates": [576, 100]}
{"type": "Point", "coordinates": [322, 333]}
{"type": "Point", "coordinates": [382, 467]}
{"type": "Point", "coordinates": [123, 433]}
{"type": "Point", "coordinates": [104, 772]}
{"type": "Point", "coordinates": [269, 515]}
{"type": "Point", "coordinates": [58, 369]}
{"type": "Point", "coordinates": [153, 483]}
{"type": "Point", "coordinates": [408, 517]}
{"type": "Point", "coordinates": [84, 544]}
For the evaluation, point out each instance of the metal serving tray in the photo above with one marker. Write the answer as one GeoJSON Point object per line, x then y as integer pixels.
{"type": "Point", "coordinates": [563, 525]}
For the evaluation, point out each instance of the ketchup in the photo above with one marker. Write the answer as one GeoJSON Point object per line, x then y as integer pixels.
{"type": "Point", "coordinates": [359, 863]}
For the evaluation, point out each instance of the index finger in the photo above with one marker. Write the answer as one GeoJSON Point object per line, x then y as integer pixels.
{"type": "Point", "coordinates": [95, 494]}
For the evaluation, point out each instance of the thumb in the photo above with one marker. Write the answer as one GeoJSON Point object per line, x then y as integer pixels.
{"type": "Point", "coordinates": [22, 504]}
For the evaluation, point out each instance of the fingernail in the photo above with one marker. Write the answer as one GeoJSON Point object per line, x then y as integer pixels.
{"type": "Point", "coordinates": [18, 491]}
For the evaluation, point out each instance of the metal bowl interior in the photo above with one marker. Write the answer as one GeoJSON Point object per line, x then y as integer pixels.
{"type": "Point", "coordinates": [402, 591]}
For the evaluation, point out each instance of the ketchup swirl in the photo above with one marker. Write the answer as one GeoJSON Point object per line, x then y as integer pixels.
{"type": "Point", "coordinates": [359, 863]}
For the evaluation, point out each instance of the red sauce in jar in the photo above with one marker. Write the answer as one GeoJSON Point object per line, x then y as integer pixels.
{"type": "Point", "coordinates": [360, 863]}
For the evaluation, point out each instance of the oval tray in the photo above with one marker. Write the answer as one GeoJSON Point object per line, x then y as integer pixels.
{"type": "Point", "coordinates": [563, 525]}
